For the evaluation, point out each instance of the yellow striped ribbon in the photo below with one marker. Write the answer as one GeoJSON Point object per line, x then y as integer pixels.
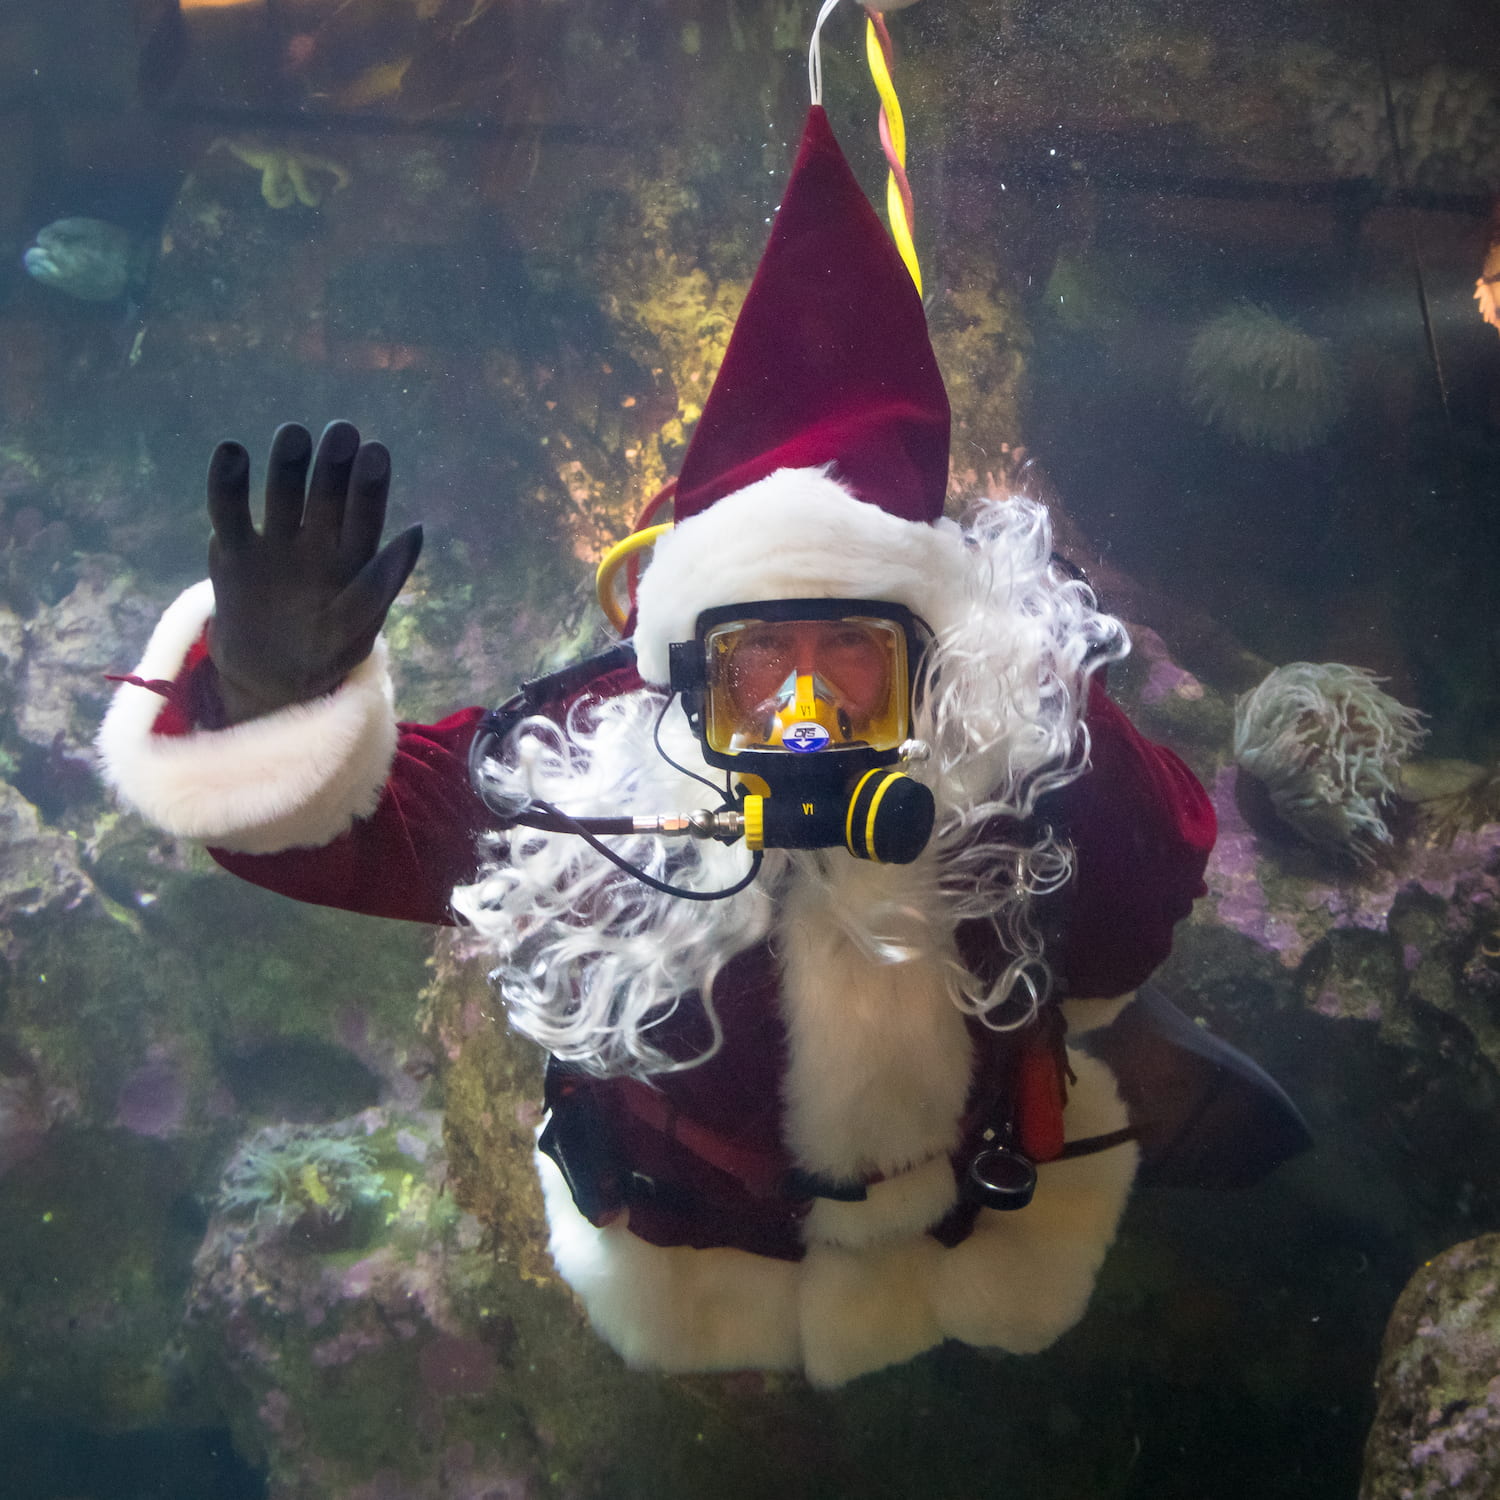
{"type": "Point", "coordinates": [898, 205]}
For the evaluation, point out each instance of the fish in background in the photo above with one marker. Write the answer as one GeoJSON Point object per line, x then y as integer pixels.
{"type": "Point", "coordinates": [100, 231]}
{"type": "Point", "coordinates": [95, 256]}
{"type": "Point", "coordinates": [92, 260]}
{"type": "Point", "coordinates": [1487, 288]}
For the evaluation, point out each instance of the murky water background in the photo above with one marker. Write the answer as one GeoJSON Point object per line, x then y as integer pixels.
{"type": "Point", "coordinates": [1182, 283]}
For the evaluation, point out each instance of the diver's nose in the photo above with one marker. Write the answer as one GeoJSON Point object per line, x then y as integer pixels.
{"type": "Point", "coordinates": [805, 651]}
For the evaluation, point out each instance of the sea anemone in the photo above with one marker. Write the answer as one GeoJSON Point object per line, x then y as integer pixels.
{"type": "Point", "coordinates": [1261, 380]}
{"type": "Point", "coordinates": [1487, 295]}
{"type": "Point", "coordinates": [295, 1177]}
{"type": "Point", "coordinates": [1447, 120]}
{"type": "Point", "coordinates": [1327, 745]}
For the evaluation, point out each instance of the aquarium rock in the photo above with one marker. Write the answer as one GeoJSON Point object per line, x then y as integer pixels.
{"type": "Point", "coordinates": [1411, 944]}
{"type": "Point", "coordinates": [66, 649]}
{"type": "Point", "coordinates": [1437, 1426]}
{"type": "Point", "coordinates": [40, 871]}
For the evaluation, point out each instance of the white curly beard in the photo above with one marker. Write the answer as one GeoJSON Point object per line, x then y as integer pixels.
{"type": "Point", "coordinates": [589, 958]}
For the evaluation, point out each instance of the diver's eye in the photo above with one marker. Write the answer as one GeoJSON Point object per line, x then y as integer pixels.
{"type": "Point", "coordinates": [850, 647]}
{"type": "Point", "coordinates": [848, 638]}
{"type": "Point", "coordinates": [760, 649]}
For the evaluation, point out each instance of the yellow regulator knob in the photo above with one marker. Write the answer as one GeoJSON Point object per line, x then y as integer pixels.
{"type": "Point", "coordinates": [755, 821]}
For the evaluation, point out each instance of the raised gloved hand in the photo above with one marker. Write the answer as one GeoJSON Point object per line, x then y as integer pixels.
{"type": "Point", "coordinates": [297, 605]}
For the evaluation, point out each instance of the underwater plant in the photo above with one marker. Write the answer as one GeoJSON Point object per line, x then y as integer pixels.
{"type": "Point", "coordinates": [1261, 380]}
{"type": "Point", "coordinates": [1327, 744]}
{"type": "Point", "coordinates": [1453, 796]}
{"type": "Point", "coordinates": [299, 1177]}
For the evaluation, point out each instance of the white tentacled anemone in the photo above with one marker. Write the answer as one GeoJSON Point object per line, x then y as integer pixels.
{"type": "Point", "coordinates": [1262, 381]}
{"type": "Point", "coordinates": [590, 958]}
{"type": "Point", "coordinates": [1327, 744]}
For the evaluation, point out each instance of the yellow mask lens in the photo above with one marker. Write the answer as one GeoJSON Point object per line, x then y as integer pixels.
{"type": "Point", "coordinates": [806, 685]}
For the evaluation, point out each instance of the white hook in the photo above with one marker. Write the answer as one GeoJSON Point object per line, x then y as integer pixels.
{"type": "Point", "coordinates": [815, 54]}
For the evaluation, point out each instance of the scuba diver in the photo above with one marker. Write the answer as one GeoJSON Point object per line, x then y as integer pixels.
{"type": "Point", "coordinates": [831, 890]}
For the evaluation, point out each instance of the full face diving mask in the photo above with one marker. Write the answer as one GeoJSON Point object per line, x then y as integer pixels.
{"type": "Point", "coordinates": [808, 702]}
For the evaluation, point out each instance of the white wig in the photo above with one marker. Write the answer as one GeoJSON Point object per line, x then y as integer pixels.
{"type": "Point", "coordinates": [590, 958]}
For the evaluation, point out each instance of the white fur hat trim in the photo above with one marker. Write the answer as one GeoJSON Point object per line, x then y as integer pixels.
{"type": "Point", "coordinates": [796, 534]}
{"type": "Point", "coordinates": [295, 778]}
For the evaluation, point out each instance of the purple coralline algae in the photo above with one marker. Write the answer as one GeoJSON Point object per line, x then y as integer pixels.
{"type": "Point", "coordinates": [1258, 896]}
{"type": "Point", "coordinates": [1234, 880]}
{"type": "Point", "coordinates": [454, 1366]}
{"type": "Point", "coordinates": [1164, 678]}
{"type": "Point", "coordinates": [153, 1100]}
{"type": "Point", "coordinates": [26, 1115]}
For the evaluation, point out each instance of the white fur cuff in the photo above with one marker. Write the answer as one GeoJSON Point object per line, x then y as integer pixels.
{"type": "Point", "coordinates": [295, 778]}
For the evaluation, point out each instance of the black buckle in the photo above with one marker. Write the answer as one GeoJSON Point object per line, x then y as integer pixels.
{"type": "Point", "coordinates": [1000, 1177]}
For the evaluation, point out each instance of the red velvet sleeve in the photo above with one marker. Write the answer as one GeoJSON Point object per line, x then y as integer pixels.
{"type": "Point", "coordinates": [1142, 828]}
{"type": "Point", "coordinates": [405, 859]}
{"type": "Point", "coordinates": [421, 841]}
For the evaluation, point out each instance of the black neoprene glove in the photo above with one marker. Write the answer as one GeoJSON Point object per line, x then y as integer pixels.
{"type": "Point", "coordinates": [297, 605]}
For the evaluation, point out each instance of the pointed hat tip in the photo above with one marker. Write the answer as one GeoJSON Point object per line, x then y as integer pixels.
{"type": "Point", "coordinates": [830, 360]}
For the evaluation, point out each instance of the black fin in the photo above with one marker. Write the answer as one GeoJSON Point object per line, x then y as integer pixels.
{"type": "Point", "coordinates": [1205, 1114]}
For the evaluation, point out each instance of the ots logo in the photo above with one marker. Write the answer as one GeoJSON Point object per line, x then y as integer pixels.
{"type": "Point", "coordinates": [805, 737]}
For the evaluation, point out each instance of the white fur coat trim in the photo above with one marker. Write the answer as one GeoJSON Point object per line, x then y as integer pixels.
{"type": "Point", "coordinates": [880, 1059]}
{"type": "Point", "coordinates": [1018, 1283]}
{"type": "Point", "coordinates": [295, 778]}
{"type": "Point", "coordinates": [797, 534]}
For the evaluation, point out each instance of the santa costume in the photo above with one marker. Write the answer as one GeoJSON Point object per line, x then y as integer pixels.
{"type": "Point", "coordinates": [766, 1110]}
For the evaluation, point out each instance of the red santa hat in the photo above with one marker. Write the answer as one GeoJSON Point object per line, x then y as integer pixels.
{"type": "Point", "coordinates": [829, 361]}
{"type": "Point", "coordinates": [820, 464]}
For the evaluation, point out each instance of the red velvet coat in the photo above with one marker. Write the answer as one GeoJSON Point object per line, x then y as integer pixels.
{"type": "Point", "coordinates": [699, 1155]}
